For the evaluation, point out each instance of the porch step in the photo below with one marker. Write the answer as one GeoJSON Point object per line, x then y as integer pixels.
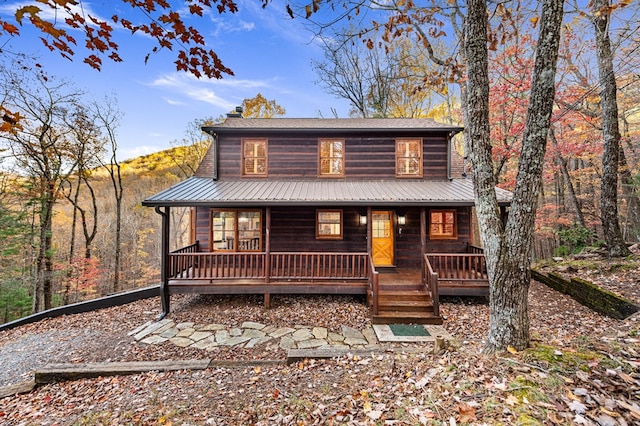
{"type": "Point", "coordinates": [405, 307]}
{"type": "Point", "coordinates": [401, 317]}
{"type": "Point", "coordinates": [404, 295]}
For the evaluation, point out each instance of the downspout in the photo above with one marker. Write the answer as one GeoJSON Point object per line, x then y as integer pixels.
{"type": "Point", "coordinates": [215, 155]}
{"type": "Point", "coordinates": [164, 262]}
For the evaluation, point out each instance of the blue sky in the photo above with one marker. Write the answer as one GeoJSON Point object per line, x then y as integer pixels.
{"type": "Point", "coordinates": [268, 51]}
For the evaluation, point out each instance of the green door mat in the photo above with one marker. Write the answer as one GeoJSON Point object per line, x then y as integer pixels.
{"type": "Point", "coordinates": [408, 330]}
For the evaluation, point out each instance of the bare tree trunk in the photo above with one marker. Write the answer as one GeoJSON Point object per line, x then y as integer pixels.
{"type": "Point", "coordinates": [573, 199]}
{"type": "Point", "coordinates": [509, 249]}
{"type": "Point", "coordinates": [611, 133]}
{"type": "Point", "coordinates": [630, 193]}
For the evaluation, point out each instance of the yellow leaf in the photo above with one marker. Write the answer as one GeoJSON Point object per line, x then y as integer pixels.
{"type": "Point", "coordinates": [534, 21]}
{"type": "Point", "coordinates": [512, 400]}
{"type": "Point", "coordinates": [512, 350]}
{"type": "Point", "coordinates": [31, 10]}
{"type": "Point", "coordinates": [367, 407]}
{"type": "Point", "coordinates": [609, 413]}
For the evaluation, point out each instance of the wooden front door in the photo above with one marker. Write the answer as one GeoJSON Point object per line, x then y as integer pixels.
{"type": "Point", "coordinates": [382, 238]}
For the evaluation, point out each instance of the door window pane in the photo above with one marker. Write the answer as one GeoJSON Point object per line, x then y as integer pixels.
{"type": "Point", "coordinates": [381, 225]}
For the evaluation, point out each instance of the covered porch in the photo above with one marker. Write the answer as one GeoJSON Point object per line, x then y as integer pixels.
{"type": "Point", "coordinates": [394, 295]}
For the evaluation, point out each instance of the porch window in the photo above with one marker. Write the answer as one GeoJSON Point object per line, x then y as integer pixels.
{"type": "Point", "coordinates": [329, 224]}
{"type": "Point", "coordinates": [409, 158]}
{"type": "Point", "coordinates": [236, 230]}
{"type": "Point", "coordinates": [442, 225]}
{"type": "Point", "coordinates": [254, 157]}
{"type": "Point", "coordinates": [331, 157]}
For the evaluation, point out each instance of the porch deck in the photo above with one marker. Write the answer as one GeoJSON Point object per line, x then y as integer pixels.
{"type": "Point", "coordinates": [402, 295]}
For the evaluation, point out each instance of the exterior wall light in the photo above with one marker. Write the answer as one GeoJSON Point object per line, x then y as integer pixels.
{"type": "Point", "coordinates": [402, 220]}
{"type": "Point", "coordinates": [363, 219]}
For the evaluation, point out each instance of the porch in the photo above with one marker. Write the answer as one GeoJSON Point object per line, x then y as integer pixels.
{"type": "Point", "coordinates": [393, 294]}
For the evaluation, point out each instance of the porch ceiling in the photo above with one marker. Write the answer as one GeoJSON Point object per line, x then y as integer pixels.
{"type": "Point", "coordinates": [262, 192]}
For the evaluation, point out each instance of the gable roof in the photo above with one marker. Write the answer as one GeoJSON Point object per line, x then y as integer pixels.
{"type": "Point", "coordinates": [381, 125]}
{"type": "Point", "coordinates": [261, 192]}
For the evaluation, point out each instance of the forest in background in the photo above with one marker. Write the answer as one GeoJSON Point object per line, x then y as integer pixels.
{"type": "Point", "coordinates": [83, 278]}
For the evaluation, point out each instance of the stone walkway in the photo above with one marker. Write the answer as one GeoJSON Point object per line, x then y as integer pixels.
{"type": "Point", "coordinates": [250, 334]}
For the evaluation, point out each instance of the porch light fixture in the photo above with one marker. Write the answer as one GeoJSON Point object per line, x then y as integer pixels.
{"type": "Point", "coordinates": [363, 219]}
{"type": "Point", "coordinates": [402, 220]}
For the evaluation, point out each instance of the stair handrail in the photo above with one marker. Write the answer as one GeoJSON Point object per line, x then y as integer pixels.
{"type": "Point", "coordinates": [430, 281]}
{"type": "Point", "coordinates": [373, 286]}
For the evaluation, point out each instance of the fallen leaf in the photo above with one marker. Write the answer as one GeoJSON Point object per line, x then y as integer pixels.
{"type": "Point", "coordinates": [512, 400]}
{"type": "Point", "coordinates": [467, 413]}
{"type": "Point", "coordinates": [578, 407]}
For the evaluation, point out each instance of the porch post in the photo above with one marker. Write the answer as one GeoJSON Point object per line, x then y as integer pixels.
{"type": "Point", "coordinates": [369, 234]}
{"type": "Point", "coordinates": [164, 261]}
{"type": "Point", "coordinates": [423, 239]}
{"type": "Point", "coordinates": [267, 256]}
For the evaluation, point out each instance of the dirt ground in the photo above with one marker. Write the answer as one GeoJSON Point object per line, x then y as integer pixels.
{"type": "Point", "coordinates": [581, 368]}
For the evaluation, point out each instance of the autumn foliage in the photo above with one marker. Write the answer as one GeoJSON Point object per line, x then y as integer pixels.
{"type": "Point", "coordinates": [160, 20]}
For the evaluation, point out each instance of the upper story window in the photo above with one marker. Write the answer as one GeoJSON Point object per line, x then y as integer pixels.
{"type": "Point", "coordinates": [442, 225]}
{"type": "Point", "coordinates": [409, 158]}
{"type": "Point", "coordinates": [254, 157]}
{"type": "Point", "coordinates": [331, 157]}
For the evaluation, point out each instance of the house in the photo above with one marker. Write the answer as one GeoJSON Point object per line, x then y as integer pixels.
{"type": "Point", "coordinates": [377, 207]}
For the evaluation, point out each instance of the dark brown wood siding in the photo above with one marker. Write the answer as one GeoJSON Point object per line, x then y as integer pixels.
{"type": "Point", "coordinates": [296, 156]}
{"type": "Point", "coordinates": [293, 229]}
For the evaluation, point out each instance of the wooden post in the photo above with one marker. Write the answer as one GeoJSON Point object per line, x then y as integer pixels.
{"type": "Point", "coordinates": [267, 256]}
{"type": "Point", "coordinates": [164, 262]}
{"type": "Point", "coordinates": [423, 240]}
{"type": "Point", "coordinates": [369, 234]}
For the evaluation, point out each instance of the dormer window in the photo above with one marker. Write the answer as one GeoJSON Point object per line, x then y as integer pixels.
{"type": "Point", "coordinates": [331, 157]}
{"type": "Point", "coordinates": [409, 158]}
{"type": "Point", "coordinates": [254, 157]}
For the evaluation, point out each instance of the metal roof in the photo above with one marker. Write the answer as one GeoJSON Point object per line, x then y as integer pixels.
{"type": "Point", "coordinates": [385, 125]}
{"type": "Point", "coordinates": [262, 192]}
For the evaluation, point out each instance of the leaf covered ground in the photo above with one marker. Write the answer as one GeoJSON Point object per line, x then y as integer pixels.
{"type": "Point", "coordinates": [582, 368]}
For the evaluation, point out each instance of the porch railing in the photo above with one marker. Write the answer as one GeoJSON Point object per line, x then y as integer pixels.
{"type": "Point", "coordinates": [458, 266]}
{"type": "Point", "coordinates": [430, 281]}
{"type": "Point", "coordinates": [220, 266]}
{"type": "Point", "coordinates": [185, 264]}
{"type": "Point", "coordinates": [319, 266]}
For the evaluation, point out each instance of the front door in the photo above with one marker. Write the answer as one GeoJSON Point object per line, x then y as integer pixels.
{"type": "Point", "coordinates": [382, 238]}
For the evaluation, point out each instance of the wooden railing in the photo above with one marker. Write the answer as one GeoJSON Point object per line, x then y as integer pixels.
{"type": "Point", "coordinates": [374, 287]}
{"type": "Point", "coordinates": [430, 281]}
{"type": "Point", "coordinates": [219, 266]}
{"type": "Point", "coordinates": [179, 263]}
{"type": "Point", "coordinates": [475, 249]}
{"type": "Point", "coordinates": [185, 264]}
{"type": "Point", "coordinates": [458, 266]}
{"type": "Point", "coordinates": [319, 266]}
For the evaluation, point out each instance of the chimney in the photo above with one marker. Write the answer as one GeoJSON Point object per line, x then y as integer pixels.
{"type": "Point", "coordinates": [237, 113]}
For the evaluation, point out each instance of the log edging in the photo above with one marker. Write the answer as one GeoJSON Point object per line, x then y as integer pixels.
{"type": "Point", "coordinates": [589, 294]}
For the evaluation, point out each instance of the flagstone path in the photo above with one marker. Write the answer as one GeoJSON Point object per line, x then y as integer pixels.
{"type": "Point", "coordinates": [250, 334]}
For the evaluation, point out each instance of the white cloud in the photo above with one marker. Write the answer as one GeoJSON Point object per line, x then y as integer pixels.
{"type": "Point", "coordinates": [224, 93]}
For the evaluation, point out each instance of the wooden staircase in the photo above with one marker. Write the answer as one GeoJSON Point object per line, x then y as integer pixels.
{"type": "Point", "coordinates": [402, 302]}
